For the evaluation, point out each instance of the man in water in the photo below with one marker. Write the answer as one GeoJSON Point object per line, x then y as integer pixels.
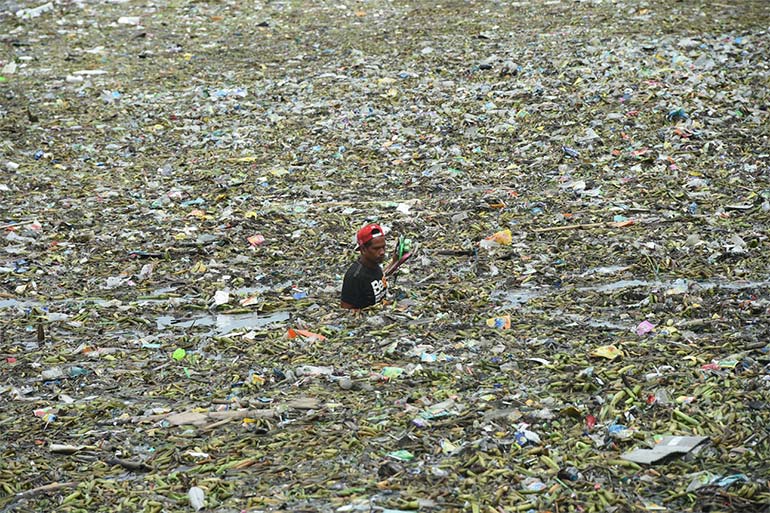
{"type": "Point", "coordinates": [364, 284]}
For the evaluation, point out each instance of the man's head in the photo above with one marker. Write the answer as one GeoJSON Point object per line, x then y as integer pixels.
{"type": "Point", "coordinates": [371, 244]}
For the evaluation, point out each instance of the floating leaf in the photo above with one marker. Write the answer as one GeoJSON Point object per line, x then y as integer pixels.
{"type": "Point", "coordinates": [610, 352]}
{"type": "Point", "coordinates": [401, 455]}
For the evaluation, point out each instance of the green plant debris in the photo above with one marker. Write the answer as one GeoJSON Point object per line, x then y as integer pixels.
{"type": "Point", "coordinates": [585, 186]}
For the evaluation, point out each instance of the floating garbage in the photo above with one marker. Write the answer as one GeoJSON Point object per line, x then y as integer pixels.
{"type": "Point", "coordinates": [581, 191]}
{"type": "Point", "coordinates": [666, 446]}
{"type": "Point", "coordinates": [34, 12]}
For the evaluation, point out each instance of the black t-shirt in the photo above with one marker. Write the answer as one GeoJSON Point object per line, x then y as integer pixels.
{"type": "Point", "coordinates": [363, 286]}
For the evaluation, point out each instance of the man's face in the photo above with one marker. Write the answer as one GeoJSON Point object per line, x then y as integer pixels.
{"type": "Point", "coordinates": [374, 251]}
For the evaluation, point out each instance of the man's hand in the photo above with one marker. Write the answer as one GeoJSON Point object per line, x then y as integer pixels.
{"type": "Point", "coordinates": [392, 265]}
{"type": "Point", "coordinates": [401, 254]}
{"type": "Point", "coordinates": [395, 264]}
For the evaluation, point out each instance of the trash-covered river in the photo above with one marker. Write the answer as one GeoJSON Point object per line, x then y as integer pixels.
{"type": "Point", "coordinates": [583, 325]}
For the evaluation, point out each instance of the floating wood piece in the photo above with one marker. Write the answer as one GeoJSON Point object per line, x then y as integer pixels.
{"type": "Point", "coordinates": [136, 466]}
{"type": "Point", "coordinates": [51, 487]}
{"type": "Point", "coordinates": [305, 403]}
{"type": "Point", "coordinates": [67, 449]}
{"type": "Point", "coordinates": [203, 418]}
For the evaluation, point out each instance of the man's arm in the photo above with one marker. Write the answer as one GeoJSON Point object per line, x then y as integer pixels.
{"type": "Point", "coordinates": [395, 264]}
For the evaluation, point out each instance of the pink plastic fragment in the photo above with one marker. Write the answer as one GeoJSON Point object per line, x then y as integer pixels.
{"type": "Point", "coordinates": [644, 328]}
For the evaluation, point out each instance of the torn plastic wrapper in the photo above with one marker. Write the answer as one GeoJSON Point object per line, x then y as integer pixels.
{"type": "Point", "coordinates": [666, 447]}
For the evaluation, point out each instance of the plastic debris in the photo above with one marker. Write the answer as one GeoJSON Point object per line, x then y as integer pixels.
{"type": "Point", "coordinates": [308, 335]}
{"type": "Point", "coordinates": [34, 12]}
{"type": "Point", "coordinates": [503, 238]}
{"type": "Point", "coordinates": [665, 447]}
{"type": "Point", "coordinates": [581, 189]}
{"type": "Point", "coordinates": [401, 455]}
{"type": "Point", "coordinates": [502, 323]}
{"type": "Point", "coordinates": [644, 328]}
{"type": "Point", "coordinates": [197, 498]}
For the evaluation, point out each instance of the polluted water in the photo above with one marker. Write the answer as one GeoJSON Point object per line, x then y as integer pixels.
{"type": "Point", "coordinates": [581, 325]}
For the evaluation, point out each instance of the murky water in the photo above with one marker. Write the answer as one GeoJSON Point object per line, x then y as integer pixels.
{"type": "Point", "coordinates": [621, 284]}
{"type": "Point", "coordinates": [223, 323]}
{"type": "Point", "coordinates": [679, 286]}
{"type": "Point", "coordinates": [11, 303]}
{"type": "Point", "coordinates": [516, 298]}
{"type": "Point", "coordinates": [735, 285]}
{"type": "Point", "coordinates": [609, 269]}
{"type": "Point", "coordinates": [593, 322]}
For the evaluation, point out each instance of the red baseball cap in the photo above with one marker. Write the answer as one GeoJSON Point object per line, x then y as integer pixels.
{"type": "Point", "coordinates": [369, 232]}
